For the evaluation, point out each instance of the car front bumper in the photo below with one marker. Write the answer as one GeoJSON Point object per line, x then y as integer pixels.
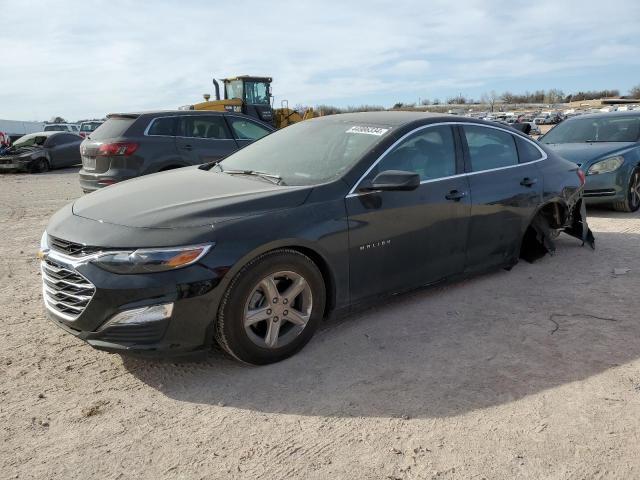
{"type": "Point", "coordinates": [605, 187]}
{"type": "Point", "coordinates": [191, 291]}
{"type": "Point", "coordinates": [14, 165]}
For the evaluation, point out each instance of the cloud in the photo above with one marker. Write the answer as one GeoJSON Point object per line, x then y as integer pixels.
{"type": "Point", "coordinates": [84, 59]}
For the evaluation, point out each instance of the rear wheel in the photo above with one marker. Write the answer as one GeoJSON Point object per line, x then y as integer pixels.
{"type": "Point", "coordinates": [632, 201]}
{"type": "Point", "coordinates": [40, 166]}
{"type": "Point", "coordinates": [272, 307]}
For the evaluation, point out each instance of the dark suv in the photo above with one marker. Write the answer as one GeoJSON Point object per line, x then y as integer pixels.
{"type": "Point", "coordinates": [129, 145]}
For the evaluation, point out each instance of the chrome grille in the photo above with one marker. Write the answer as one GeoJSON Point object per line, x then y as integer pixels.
{"type": "Point", "coordinates": [70, 248]}
{"type": "Point", "coordinates": [65, 291]}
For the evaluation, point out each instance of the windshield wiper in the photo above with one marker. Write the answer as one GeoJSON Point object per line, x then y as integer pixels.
{"type": "Point", "coordinates": [273, 178]}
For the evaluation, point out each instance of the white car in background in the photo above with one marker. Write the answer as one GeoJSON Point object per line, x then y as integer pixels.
{"type": "Point", "coordinates": [62, 127]}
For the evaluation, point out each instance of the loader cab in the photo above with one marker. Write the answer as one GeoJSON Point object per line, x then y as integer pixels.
{"type": "Point", "coordinates": [255, 94]}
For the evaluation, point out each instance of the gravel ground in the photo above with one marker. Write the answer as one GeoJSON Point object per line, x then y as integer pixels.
{"type": "Point", "coordinates": [533, 373]}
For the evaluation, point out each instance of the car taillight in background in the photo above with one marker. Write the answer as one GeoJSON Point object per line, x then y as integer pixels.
{"type": "Point", "coordinates": [581, 176]}
{"type": "Point", "coordinates": [121, 148]}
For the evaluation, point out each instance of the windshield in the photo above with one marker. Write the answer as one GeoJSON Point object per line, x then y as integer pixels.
{"type": "Point", "coordinates": [234, 89]}
{"type": "Point", "coordinates": [309, 152]}
{"type": "Point", "coordinates": [257, 93]}
{"type": "Point", "coordinates": [89, 127]}
{"type": "Point", "coordinates": [31, 140]}
{"type": "Point", "coordinates": [55, 128]}
{"type": "Point", "coordinates": [596, 129]}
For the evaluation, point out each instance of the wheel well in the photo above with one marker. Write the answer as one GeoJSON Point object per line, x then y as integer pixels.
{"type": "Point", "coordinates": [538, 237]}
{"type": "Point", "coordinates": [327, 276]}
{"type": "Point", "coordinates": [555, 213]}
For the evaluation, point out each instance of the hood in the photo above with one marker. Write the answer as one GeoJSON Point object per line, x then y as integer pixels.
{"type": "Point", "coordinates": [186, 197]}
{"type": "Point", "coordinates": [586, 153]}
{"type": "Point", "coordinates": [20, 151]}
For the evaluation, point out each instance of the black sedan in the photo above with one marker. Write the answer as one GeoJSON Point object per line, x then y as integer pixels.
{"type": "Point", "coordinates": [41, 152]}
{"type": "Point", "coordinates": [255, 251]}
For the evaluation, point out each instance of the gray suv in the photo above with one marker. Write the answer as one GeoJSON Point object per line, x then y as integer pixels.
{"type": "Point", "coordinates": [128, 145]}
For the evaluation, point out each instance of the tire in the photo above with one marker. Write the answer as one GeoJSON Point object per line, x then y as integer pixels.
{"type": "Point", "coordinates": [40, 166]}
{"type": "Point", "coordinates": [246, 295]}
{"type": "Point", "coordinates": [631, 203]}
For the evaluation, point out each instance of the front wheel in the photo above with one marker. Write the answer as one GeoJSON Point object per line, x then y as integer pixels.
{"type": "Point", "coordinates": [40, 166]}
{"type": "Point", "coordinates": [632, 201]}
{"type": "Point", "coordinates": [272, 307]}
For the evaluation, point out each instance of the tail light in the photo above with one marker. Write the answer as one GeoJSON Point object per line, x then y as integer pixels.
{"type": "Point", "coordinates": [121, 148]}
{"type": "Point", "coordinates": [581, 176]}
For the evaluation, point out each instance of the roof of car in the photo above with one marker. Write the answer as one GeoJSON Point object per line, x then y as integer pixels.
{"type": "Point", "coordinates": [624, 113]}
{"type": "Point", "coordinates": [167, 112]}
{"type": "Point", "coordinates": [391, 118]}
{"type": "Point", "coordinates": [50, 133]}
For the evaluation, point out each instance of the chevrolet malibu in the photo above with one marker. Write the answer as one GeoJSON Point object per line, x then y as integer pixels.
{"type": "Point", "coordinates": [254, 251]}
{"type": "Point", "coordinates": [606, 146]}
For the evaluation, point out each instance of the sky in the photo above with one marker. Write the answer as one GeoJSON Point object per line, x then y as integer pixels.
{"type": "Point", "coordinates": [84, 59]}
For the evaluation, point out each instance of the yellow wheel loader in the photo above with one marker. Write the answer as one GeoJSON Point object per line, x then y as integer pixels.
{"type": "Point", "coordinates": [252, 96]}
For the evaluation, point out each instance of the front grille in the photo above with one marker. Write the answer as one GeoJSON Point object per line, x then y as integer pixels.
{"type": "Point", "coordinates": [65, 291]}
{"type": "Point", "coordinates": [70, 248]}
{"type": "Point", "coordinates": [147, 333]}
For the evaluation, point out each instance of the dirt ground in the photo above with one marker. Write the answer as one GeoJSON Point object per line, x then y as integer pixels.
{"type": "Point", "coordinates": [533, 373]}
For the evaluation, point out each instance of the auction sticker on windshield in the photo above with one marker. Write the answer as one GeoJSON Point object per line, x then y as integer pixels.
{"type": "Point", "coordinates": [378, 131]}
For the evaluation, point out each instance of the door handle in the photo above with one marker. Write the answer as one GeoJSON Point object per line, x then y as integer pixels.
{"type": "Point", "coordinates": [188, 147]}
{"type": "Point", "coordinates": [455, 195]}
{"type": "Point", "coordinates": [528, 182]}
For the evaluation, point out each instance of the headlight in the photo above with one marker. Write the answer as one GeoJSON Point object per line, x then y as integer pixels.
{"type": "Point", "coordinates": [607, 165]}
{"type": "Point", "coordinates": [150, 260]}
{"type": "Point", "coordinates": [44, 245]}
{"type": "Point", "coordinates": [44, 241]}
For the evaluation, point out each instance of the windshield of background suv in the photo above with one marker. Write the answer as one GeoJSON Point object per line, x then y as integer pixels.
{"type": "Point", "coordinates": [89, 127]}
{"type": "Point", "coordinates": [112, 128]}
{"type": "Point", "coordinates": [309, 152]}
{"type": "Point", "coordinates": [597, 129]}
{"type": "Point", "coordinates": [30, 140]}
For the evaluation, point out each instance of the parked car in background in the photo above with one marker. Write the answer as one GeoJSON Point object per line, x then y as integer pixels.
{"type": "Point", "coordinates": [257, 249]}
{"type": "Point", "coordinates": [535, 129]}
{"type": "Point", "coordinates": [43, 151]}
{"type": "Point", "coordinates": [87, 128]}
{"type": "Point", "coordinates": [128, 145]}
{"type": "Point", "coordinates": [607, 148]}
{"type": "Point", "coordinates": [62, 127]}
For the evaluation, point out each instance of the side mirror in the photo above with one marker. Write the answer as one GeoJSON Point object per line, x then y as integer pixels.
{"type": "Point", "coordinates": [392, 180]}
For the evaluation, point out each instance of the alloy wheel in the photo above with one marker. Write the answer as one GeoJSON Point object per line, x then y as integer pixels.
{"type": "Point", "coordinates": [278, 309]}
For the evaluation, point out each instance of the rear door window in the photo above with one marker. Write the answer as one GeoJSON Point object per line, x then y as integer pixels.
{"type": "Point", "coordinates": [112, 128]}
{"type": "Point", "coordinates": [62, 139]}
{"type": "Point", "coordinates": [205, 127]}
{"type": "Point", "coordinates": [164, 126]}
{"type": "Point", "coordinates": [247, 130]}
{"type": "Point", "coordinates": [490, 148]}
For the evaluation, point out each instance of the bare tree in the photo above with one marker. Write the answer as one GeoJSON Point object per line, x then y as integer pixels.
{"type": "Point", "coordinates": [490, 98]}
{"type": "Point", "coordinates": [635, 92]}
{"type": "Point", "coordinates": [554, 96]}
